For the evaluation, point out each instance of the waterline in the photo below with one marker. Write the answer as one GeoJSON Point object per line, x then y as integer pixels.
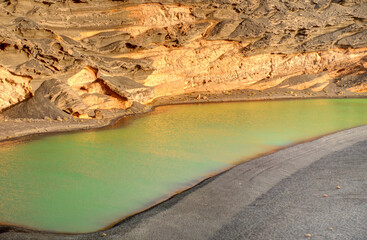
{"type": "Point", "coordinates": [83, 182]}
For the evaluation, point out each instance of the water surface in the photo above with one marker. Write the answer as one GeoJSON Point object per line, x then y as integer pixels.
{"type": "Point", "coordinates": [86, 181]}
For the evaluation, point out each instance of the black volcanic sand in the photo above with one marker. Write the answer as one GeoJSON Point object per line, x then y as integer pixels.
{"type": "Point", "coordinates": [278, 196]}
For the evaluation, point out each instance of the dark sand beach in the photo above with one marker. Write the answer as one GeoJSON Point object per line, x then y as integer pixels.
{"type": "Point", "coordinates": [289, 194]}
{"type": "Point", "coordinates": [79, 65]}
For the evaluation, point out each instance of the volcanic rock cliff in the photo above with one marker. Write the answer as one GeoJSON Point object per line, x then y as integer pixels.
{"type": "Point", "coordinates": [92, 55]}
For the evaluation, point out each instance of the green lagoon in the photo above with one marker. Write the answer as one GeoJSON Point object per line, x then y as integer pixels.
{"type": "Point", "coordinates": [87, 181]}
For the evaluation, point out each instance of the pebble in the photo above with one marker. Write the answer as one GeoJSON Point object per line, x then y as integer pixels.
{"type": "Point", "coordinates": [337, 187]}
{"type": "Point", "coordinates": [308, 235]}
{"type": "Point", "coordinates": [103, 234]}
{"type": "Point", "coordinates": [331, 229]}
{"type": "Point", "coordinates": [325, 195]}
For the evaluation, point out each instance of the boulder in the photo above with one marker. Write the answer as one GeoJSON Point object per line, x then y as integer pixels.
{"type": "Point", "coordinates": [126, 87]}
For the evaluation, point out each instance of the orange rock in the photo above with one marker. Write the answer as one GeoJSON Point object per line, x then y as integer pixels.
{"type": "Point", "coordinates": [13, 89]}
{"type": "Point", "coordinates": [86, 75]}
{"type": "Point", "coordinates": [83, 116]}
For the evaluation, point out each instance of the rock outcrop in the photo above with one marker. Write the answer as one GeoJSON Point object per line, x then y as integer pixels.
{"type": "Point", "coordinates": [53, 99]}
{"type": "Point", "coordinates": [114, 53]}
{"type": "Point", "coordinates": [128, 88]}
{"type": "Point", "coordinates": [13, 88]}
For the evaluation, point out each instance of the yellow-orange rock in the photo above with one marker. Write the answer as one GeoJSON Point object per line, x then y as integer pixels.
{"type": "Point", "coordinates": [13, 89]}
{"type": "Point", "coordinates": [85, 76]}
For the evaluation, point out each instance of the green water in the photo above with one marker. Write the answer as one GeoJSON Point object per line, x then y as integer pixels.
{"type": "Point", "coordinates": [84, 182]}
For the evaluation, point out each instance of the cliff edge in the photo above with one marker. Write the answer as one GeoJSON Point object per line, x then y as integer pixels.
{"type": "Point", "coordinates": [112, 54]}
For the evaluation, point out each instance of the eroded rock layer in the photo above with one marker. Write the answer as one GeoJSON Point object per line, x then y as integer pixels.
{"type": "Point", "coordinates": [114, 53]}
{"type": "Point", "coordinates": [13, 88]}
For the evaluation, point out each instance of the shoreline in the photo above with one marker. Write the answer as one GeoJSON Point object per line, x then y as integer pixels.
{"type": "Point", "coordinates": [74, 125]}
{"type": "Point", "coordinates": [333, 141]}
{"type": "Point", "coordinates": [19, 129]}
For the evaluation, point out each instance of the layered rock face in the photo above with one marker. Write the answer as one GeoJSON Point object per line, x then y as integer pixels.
{"type": "Point", "coordinates": [114, 53]}
{"type": "Point", "coordinates": [13, 88]}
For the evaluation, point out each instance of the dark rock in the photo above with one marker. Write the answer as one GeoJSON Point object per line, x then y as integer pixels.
{"type": "Point", "coordinates": [250, 28]}
{"type": "Point", "coordinates": [62, 95]}
{"type": "Point", "coordinates": [355, 40]}
{"type": "Point", "coordinates": [98, 114]}
{"type": "Point", "coordinates": [53, 99]}
{"type": "Point", "coordinates": [351, 80]}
